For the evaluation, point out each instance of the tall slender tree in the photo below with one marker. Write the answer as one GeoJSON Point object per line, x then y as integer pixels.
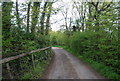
{"type": "Point", "coordinates": [28, 16]}
{"type": "Point", "coordinates": [65, 15]}
{"type": "Point", "coordinates": [43, 17]}
{"type": "Point", "coordinates": [48, 17]}
{"type": "Point", "coordinates": [35, 12]}
{"type": "Point", "coordinates": [17, 15]}
{"type": "Point", "coordinates": [6, 18]}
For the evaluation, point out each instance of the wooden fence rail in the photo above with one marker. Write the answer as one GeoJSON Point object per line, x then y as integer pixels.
{"type": "Point", "coordinates": [21, 55]}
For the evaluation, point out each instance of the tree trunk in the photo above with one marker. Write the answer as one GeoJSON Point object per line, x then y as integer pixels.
{"type": "Point", "coordinates": [17, 15]}
{"type": "Point", "coordinates": [36, 6]}
{"type": "Point", "coordinates": [89, 17]}
{"type": "Point", "coordinates": [43, 18]}
{"type": "Point", "coordinates": [6, 19]}
{"type": "Point", "coordinates": [28, 15]}
{"type": "Point", "coordinates": [98, 12]}
{"type": "Point", "coordinates": [48, 17]}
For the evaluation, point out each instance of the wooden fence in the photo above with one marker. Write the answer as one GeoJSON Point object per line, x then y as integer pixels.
{"type": "Point", "coordinates": [7, 60]}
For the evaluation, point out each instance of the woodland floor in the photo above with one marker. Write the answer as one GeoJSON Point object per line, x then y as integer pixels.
{"type": "Point", "coordinates": [67, 66]}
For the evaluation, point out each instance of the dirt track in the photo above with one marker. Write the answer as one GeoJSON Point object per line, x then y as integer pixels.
{"type": "Point", "coordinates": [67, 66]}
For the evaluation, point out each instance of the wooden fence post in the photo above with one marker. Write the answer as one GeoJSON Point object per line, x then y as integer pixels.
{"type": "Point", "coordinates": [51, 50]}
{"type": "Point", "coordinates": [9, 72]}
{"type": "Point", "coordinates": [33, 62]}
{"type": "Point", "coordinates": [46, 54]}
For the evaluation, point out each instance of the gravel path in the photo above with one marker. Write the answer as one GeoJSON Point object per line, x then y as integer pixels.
{"type": "Point", "coordinates": [66, 66]}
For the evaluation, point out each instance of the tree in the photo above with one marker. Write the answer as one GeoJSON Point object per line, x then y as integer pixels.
{"type": "Point", "coordinates": [81, 10]}
{"type": "Point", "coordinates": [99, 8]}
{"type": "Point", "coordinates": [28, 16]}
{"type": "Point", "coordinates": [35, 12]}
{"type": "Point", "coordinates": [48, 17]}
{"type": "Point", "coordinates": [17, 15]}
{"type": "Point", "coordinates": [6, 18]}
{"type": "Point", "coordinates": [65, 15]}
{"type": "Point", "coordinates": [43, 17]}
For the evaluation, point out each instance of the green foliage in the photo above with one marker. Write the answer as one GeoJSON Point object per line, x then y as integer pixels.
{"type": "Point", "coordinates": [97, 48]}
{"type": "Point", "coordinates": [42, 60]}
{"type": "Point", "coordinates": [20, 37]}
{"type": "Point", "coordinates": [17, 41]}
{"type": "Point", "coordinates": [97, 43]}
{"type": "Point", "coordinates": [37, 72]}
{"type": "Point", "coordinates": [26, 76]}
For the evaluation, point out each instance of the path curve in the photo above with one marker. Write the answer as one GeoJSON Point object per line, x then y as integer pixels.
{"type": "Point", "coordinates": [67, 66]}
